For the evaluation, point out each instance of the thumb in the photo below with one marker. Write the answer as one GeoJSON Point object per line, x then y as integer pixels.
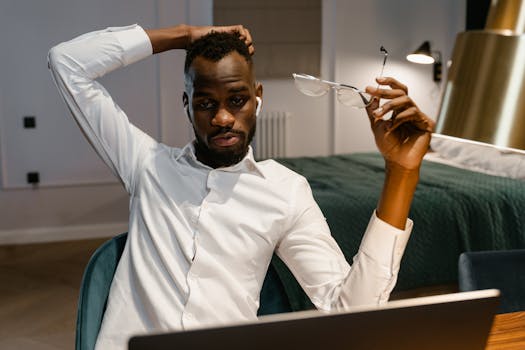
{"type": "Point", "coordinates": [372, 107]}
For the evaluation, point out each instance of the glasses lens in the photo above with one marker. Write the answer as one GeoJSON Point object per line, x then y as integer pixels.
{"type": "Point", "coordinates": [353, 98]}
{"type": "Point", "coordinates": [310, 86]}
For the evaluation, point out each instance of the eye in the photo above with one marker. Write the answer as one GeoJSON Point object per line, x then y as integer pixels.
{"type": "Point", "coordinates": [238, 101]}
{"type": "Point", "coordinates": [205, 105]}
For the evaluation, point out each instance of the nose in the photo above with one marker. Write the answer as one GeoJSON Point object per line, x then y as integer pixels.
{"type": "Point", "coordinates": [223, 118]}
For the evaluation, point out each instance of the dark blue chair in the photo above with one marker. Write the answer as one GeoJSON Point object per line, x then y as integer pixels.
{"type": "Point", "coordinates": [500, 269]}
{"type": "Point", "coordinates": [96, 282]}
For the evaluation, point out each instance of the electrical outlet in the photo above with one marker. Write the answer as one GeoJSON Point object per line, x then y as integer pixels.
{"type": "Point", "coordinates": [29, 122]}
{"type": "Point", "coordinates": [33, 178]}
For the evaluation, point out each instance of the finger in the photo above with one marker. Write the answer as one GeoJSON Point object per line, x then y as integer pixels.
{"type": "Point", "coordinates": [407, 116]}
{"type": "Point", "coordinates": [247, 37]}
{"type": "Point", "coordinates": [249, 41]}
{"type": "Point", "coordinates": [238, 28]}
{"type": "Point", "coordinates": [393, 83]}
{"type": "Point", "coordinates": [233, 28]}
{"type": "Point", "coordinates": [244, 33]}
{"type": "Point", "coordinates": [197, 32]}
{"type": "Point", "coordinates": [244, 36]}
{"type": "Point", "coordinates": [384, 93]}
{"type": "Point", "coordinates": [415, 118]}
{"type": "Point", "coordinates": [396, 104]}
{"type": "Point", "coordinates": [374, 104]}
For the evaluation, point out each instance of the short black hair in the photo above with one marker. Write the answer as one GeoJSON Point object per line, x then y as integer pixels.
{"type": "Point", "coordinates": [215, 46]}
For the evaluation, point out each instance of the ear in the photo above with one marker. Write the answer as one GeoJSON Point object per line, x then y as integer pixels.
{"type": "Point", "coordinates": [185, 102]}
{"type": "Point", "coordinates": [258, 97]}
{"type": "Point", "coordinates": [258, 89]}
{"type": "Point", "coordinates": [259, 106]}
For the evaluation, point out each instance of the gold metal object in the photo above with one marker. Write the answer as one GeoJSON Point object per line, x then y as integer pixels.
{"type": "Point", "coordinates": [507, 16]}
{"type": "Point", "coordinates": [484, 98]}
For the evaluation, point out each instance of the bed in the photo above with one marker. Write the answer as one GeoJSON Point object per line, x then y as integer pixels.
{"type": "Point", "coordinates": [454, 210]}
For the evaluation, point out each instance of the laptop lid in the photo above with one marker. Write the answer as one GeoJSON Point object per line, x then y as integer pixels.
{"type": "Point", "coordinates": [450, 321]}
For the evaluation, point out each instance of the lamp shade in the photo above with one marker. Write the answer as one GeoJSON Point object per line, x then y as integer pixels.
{"type": "Point", "coordinates": [484, 98]}
{"type": "Point", "coordinates": [422, 55]}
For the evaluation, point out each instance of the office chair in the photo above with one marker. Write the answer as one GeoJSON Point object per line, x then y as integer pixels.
{"type": "Point", "coordinates": [96, 282]}
{"type": "Point", "coordinates": [500, 269]}
{"type": "Point", "coordinates": [94, 290]}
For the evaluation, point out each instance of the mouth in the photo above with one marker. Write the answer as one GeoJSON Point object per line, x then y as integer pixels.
{"type": "Point", "coordinates": [226, 139]}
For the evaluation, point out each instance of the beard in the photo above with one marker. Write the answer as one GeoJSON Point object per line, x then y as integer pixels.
{"type": "Point", "coordinates": [217, 158]}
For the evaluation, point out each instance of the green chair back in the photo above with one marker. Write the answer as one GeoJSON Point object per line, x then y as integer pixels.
{"type": "Point", "coordinates": [96, 282]}
{"type": "Point", "coordinates": [94, 291]}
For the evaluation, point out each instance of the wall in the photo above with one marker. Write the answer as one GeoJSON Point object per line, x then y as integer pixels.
{"type": "Point", "coordinates": [309, 124]}
{"type": "Point", "coordinates": [360, 28]}
{"type": "Point", "coordinates": [292, 43]}
{"type": "Point", "coordinates": [352, 34]}
{"type": "Point", "coordinates": [89, 210]}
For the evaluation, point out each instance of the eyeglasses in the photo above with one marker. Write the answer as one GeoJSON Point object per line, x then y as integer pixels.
{"type": "Point", "coordinates": [346, 94]}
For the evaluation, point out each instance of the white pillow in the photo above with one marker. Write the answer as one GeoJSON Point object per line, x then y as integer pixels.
{"type": "Point", "coordinates": [478, 157]}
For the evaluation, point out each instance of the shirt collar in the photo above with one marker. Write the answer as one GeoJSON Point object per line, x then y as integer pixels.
{"type": "Point", "coordinates": [248, 164]}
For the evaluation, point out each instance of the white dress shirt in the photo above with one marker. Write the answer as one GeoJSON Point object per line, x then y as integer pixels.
{"type": "Point", "coordinates": [201, 239]}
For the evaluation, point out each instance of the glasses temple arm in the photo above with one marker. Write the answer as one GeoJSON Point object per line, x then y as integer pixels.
{"type": "Point", "coordinates": [350, 86]}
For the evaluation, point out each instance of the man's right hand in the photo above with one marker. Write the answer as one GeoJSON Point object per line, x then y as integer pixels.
{"type": "Point", "coordinates": [181, 36]}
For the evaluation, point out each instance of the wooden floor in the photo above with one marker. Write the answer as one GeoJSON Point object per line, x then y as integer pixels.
{"type": "Point", "coordinates": [39, 286]}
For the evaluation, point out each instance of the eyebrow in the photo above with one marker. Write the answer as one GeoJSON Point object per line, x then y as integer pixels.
{"type": "Point", "coordinates": [238, 89]}
{"type": "Point", "coordinates": [201, 94]}
{"type": "Point", "coordinates": [204, 93]}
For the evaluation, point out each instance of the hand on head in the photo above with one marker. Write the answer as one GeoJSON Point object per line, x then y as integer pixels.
{"type": "Point", "coordinates": [195, 32]}
{"type": "Point", "coordinates": [181, 36]}
{"type": "Point", "coordinates": [404, 138]}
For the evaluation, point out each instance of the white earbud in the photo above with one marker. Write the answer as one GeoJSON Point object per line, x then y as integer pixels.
{"type": "Point", "coordinates": [187, 110]}
{"type": "Point", "coordinates": [259, 106]}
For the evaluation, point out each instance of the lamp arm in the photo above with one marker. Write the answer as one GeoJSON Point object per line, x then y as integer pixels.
{"type": "Point", "coordinates": [437, 67]}
{"type": "Point", "coordinates": [438, 53]}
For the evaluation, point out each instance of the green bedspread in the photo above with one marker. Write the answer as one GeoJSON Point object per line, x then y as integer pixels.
{"type": "Point", "coordinates": [453, 210]}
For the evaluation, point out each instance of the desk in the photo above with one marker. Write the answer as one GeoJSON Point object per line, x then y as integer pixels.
{"type": "Point", "coordinates": [508, 332]}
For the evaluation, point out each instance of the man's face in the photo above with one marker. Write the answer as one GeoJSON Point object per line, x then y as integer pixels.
{"type": "Point", "coordinates": [220, 97]}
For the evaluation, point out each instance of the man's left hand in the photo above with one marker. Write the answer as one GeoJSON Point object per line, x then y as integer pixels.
{"type": "Point", "coordinates": [403, 139]}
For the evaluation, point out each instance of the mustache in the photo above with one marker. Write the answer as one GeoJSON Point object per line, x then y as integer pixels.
{"type": "Point", "coordinates": [225, 131]}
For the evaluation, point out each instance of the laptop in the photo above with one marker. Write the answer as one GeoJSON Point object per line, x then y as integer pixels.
{"type": "Point", "coordinates": [450, 321]}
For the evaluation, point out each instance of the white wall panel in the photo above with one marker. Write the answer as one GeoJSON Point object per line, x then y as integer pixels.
{"type": "Point", "coordinates": [361, 27]}
{"type": "Point", "coordinates": [27, 31]}
{"type": "Point", "coordinates": [56, 148]}
{"type": "Point", "coordinates": [352, 33]}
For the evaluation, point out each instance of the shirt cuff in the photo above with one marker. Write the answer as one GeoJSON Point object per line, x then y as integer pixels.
{"type": "Point", "coordinates": [135, 43]}
{"type": "Point", "coordinates": [385, 243]}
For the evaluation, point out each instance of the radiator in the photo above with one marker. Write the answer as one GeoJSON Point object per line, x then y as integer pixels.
{"type": "Point", "coordinates": [271, 135]}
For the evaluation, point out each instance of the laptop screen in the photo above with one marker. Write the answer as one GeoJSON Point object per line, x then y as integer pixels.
{"type": "Point", "coordinates": [451, 321]}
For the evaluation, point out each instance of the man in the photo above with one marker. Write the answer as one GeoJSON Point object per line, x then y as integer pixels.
{"type": "Point", "coordinates": [206, 219]}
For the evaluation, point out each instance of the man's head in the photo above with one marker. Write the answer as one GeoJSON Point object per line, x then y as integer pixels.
{"type": "Point", "coordinates": [220, 97]}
